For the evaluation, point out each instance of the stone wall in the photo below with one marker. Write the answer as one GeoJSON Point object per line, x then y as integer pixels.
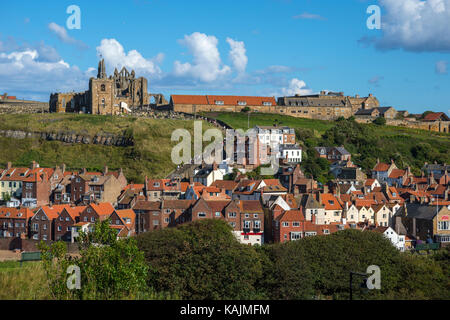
{"type": "Point", "coordinates": [23, 107]}
{"type": "Point", "coordinates": [437, 126]}
{"type": "Point", "coordinates": [68, 137]}
{"type": "Point", "coordinates": [30, 245]}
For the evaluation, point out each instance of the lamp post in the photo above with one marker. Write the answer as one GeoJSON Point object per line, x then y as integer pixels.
{"type": "Point", "coordinates": [363, 284]}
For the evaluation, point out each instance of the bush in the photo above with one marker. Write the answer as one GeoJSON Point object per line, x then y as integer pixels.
{"type": "Point", "coordinates": [201, 260]}
{"type": "Point", "coordinates": [110, 268]}
{"type": "Point", "coordinates": [380, 121]}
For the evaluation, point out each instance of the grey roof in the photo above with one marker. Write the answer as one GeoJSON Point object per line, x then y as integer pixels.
{"type": "Point", "coordinates": [364, 112]}
{"type": "Point", "coordinates": [342, 150]}
{"type": "Point", "coordinates": [418, 211]}
{"type": "Point", "coordinates": [308, 201]}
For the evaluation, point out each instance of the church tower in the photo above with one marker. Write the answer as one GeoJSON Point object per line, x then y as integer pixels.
{"type": "Point", "coordinates": [101, 70]}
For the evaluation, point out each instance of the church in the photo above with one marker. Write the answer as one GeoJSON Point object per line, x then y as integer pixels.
{"type": "Point", "coordinates": [111, 95]}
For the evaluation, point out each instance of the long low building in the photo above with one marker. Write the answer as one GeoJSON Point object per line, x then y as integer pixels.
{"type": "Point", "coordinates": [207, 103]}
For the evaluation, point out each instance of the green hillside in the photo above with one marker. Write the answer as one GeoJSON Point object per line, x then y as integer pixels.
{"type": "Point", "coordinates": [150, 154]}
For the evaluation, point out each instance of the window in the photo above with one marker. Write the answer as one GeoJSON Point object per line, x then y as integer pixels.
{"type": "Point", "coordinates": [92, 219]}
{"type": "Point", "coordinates": [103, 87]}
{"type": "Point", "coordinates": [296, 236]}
{"type": "Point", "coordinates": [201, 215]}
{"type": "Point", "coordinates": [166, 220]}
{"type": "Point", "coordinates": [219, 102]}
{"type": "Point", "coordinates": [232, 214]}
{"type": "Point", "coordinates": [36, 237]}
{"type": "Point", "coordinates": [155, 222]}
{"type": "Point", "coordinates": [296, 224]}
{"type": "Point", "coordinates": [44, 237]}
{"type": "Point", "coordinates": [85, 219]}
{"type": "Point", "coordinates": [326, 231]}
{"type": "Point", "coordinates": [267, 103]}
{"type": "Point", "coordinates": [44, 227]}
{"type": "Point", "coordinates": [247, 215]}
{"type": "Point", "coordinates": [255, 215]}
{"type": "Point", "coordinates": [247, 224]}
{"type": "Point", "coordinates": [217, 214]}
{"type": "Point", "coordinates": [59, 228]}
{"type": "Point", "coordinates": [257, 224]}
{"type": "Point", "coordinates": [309, 234]}
{"type": "Point", "coordinates": [68, 228]}
{"type": "Point", "coordinates": [242, 103]}
{"type": "Point", "coordinates": [285, 224]}
{"type": "Point", "coordinates": [443, 225]}
{"type": "Point", "coordinates": [233, 224]}
{"type": "Point", "coordinates": [67, 219]}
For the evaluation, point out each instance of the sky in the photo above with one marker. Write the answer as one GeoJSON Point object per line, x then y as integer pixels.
{"type": "Point", "coordinates": [236, 47]}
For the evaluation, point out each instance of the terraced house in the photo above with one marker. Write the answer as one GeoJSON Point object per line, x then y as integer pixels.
{"type": "Point", "coordinates": [15, 222]}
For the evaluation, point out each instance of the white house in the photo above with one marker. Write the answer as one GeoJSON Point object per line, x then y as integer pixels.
{"type": "Point", "coordinates": [397, 240]}
{"type": "Point", "coordinates": [291, 152]}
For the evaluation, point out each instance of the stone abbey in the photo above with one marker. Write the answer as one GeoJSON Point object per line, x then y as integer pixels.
{"type": "Point", "coordinates": [106, 95]}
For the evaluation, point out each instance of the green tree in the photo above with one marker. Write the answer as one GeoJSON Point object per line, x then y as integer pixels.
{"type": "Point", "coordinates": [380, 121]}
{"type": "Point", "coordinates": [110, 268]}
{"type": "Point", "coordinates": [201, 260]}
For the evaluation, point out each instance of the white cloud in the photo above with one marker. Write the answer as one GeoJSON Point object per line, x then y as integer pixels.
{"type": "Point", "coordinates": [441, 67]}
{"type": "Point", "coordinates": [62, 35]}
{"type": "Point", "coordinates": [116, 57]}
{"type": "Point", "coordinates": [238, 55]}
{"type": "Point", "coordinates": [25, 74]}
{"type": "Point", "coordinates": [296, 86]}
{"type": "Point", "coordinates": [207, 65]}
{"type": "Point", "coordinates": [415, 25]}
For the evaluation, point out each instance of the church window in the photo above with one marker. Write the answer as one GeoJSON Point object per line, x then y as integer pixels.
{"type": "Point", "coordinates": [103, 87]}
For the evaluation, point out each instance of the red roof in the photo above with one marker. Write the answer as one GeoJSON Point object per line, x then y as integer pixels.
{"type": "Point", "coordinates": [227, 100]}
{"type": "Point", "coordinates": [397, 173]}
{"type": "Point", "coordinates": [435, 116]}
{"type": "Point", "coordinates": [330, 202]}
{"type": "Point", "coordinates": [381, 167]}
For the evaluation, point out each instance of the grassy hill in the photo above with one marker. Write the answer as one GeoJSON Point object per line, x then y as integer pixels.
{"type": "Point", "coordinates": [150, 154]}
{"type": "Point", "coordinates": [366, 142]}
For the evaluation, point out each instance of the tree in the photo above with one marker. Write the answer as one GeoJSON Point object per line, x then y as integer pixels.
{"type": "Point", "coordinates": [110, 268]}
{"type": "Point", "coordinates": [201, 260]}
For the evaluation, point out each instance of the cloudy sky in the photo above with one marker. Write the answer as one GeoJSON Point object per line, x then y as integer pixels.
{"type": "Point", "coordinates": [251, 47]}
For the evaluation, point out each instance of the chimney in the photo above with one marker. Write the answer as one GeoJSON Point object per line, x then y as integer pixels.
{"type": "Point", "coordinates": [370, 95]}
{"type": "Point", "coordinates": [378, 160]}
{"type": "Point", "coordinates": [105, 170]}
{"type": "Point", "coordinates": [313, 218]}
{"type": "Point", "coordinates": [84, 171]}
{"type": "Point", "coordinates": [34, 165]}
{"type": "Point", "coordinates": [214, 166]}
{"type": "Point", "coordinates": [8, 165]}
{"type": "Point", "coordinates": [63, 167]}
{"type": "Point", "coordinates": [414, 231]}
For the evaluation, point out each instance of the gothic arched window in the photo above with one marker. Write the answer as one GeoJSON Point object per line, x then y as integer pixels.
{"type": "Point", "coordinates": [103, 87]}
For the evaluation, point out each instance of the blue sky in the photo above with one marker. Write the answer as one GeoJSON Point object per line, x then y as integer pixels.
{"type": "Point", "coordinates": [246, 47]}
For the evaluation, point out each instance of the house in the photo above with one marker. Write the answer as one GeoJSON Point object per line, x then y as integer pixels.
{"type": "Point", "coordinates": [106, 186]}
{"type": "Point", "coordinates": [96, 212]}
{"type": "Point", "coordinates": [251, 222]}
{"type": "Point", "coordinates": [79, 227]}
{"type": "Point", "coordinates": [287, 226]}
{"type": "Point", "coordinates": [383, 215]}
{"type": "Point", "coordinates": [175, 212]}
{"type": "Point", "coordinates": [311, 207]}
{"type": "Point", "coordinates": [208, 174]}
{"type": "Point", "coordinates": [290, 153]}
{"type": "Point", "coordinates": [43, 222]}
{"type": "Point", "coordinates": [370, 184]}
{"type": "Point", "coordinates": [148, 215]}
{"type": "Point", "coordinates": [424, 222]}
{"type": "Point", "coordinates": [123, 221]}
{"type": "Point", "coordinates": [247, 190]}
{"type": "Point", "coordinates": [288, 175]}
{"type": "Point", "coordinates": [67, 218]}
{"type": "Point", "coordinates": [381, 171]}
{"type": "Point", "coordinates": [14, 222]}
{"type": "Point", "coordinates": [130, 194]}
{"type": "Point", "coordinates": [333, 154]}
{"type": "Point", "coordinates": [397, 240]}
{"type": "Point", "coordinates": [227, 185]}
{"type": "Point", "coordinates": [333, 209]}
{"type": "Point", "coordinates": [435, 116]}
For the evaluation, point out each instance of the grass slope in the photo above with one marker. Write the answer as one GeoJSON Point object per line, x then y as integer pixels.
{"type": "Point", "coordinates": [149, 156]}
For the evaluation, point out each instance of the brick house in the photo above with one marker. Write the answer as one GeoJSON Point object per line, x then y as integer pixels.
{"type": "Point", "coordinates": [251, 222]}
{"type": "Point", "coordinates": [148, 215]}
{"type": "Point", "coordinates": [15, 222]}
{"type": "Point", "coordinates": [96, 212]}
{"type": "Point", "coordinates": [174, 212]}
{"type": "Point", "coordinates": [287, 225]}
{"type": "Point", "coordinates": [43, 222]}
{"type": "Point", "coordinates": [68, 217]}
{"type": "Point", "coordinates": [123, 221]}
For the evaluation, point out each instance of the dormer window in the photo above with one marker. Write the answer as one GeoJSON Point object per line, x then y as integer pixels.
{"type": "Point", "coordinates": [219, 102]}
{"type": "Point", "coordinates": [242, 103]}
{"type": "Point", "coordinates": [267, 103]}
{"type": "Point", "coordinates": [156, 184]}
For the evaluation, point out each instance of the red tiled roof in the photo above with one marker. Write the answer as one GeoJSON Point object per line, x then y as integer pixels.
{"type": "Point", "coordinates": [14, 213]}
{"type": "Point", "coordinates": [397, 173]}
{"type": "Point", "coordinates": [330, 202]}
{"type": "Point", "coordinates": [435, 116]}
{"type": "Point", "coordinates": [381, 167]}
{"type": "Point", "coordinates": [103, 208]}
{"type": "Point", "coordinates": [227, 100]}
